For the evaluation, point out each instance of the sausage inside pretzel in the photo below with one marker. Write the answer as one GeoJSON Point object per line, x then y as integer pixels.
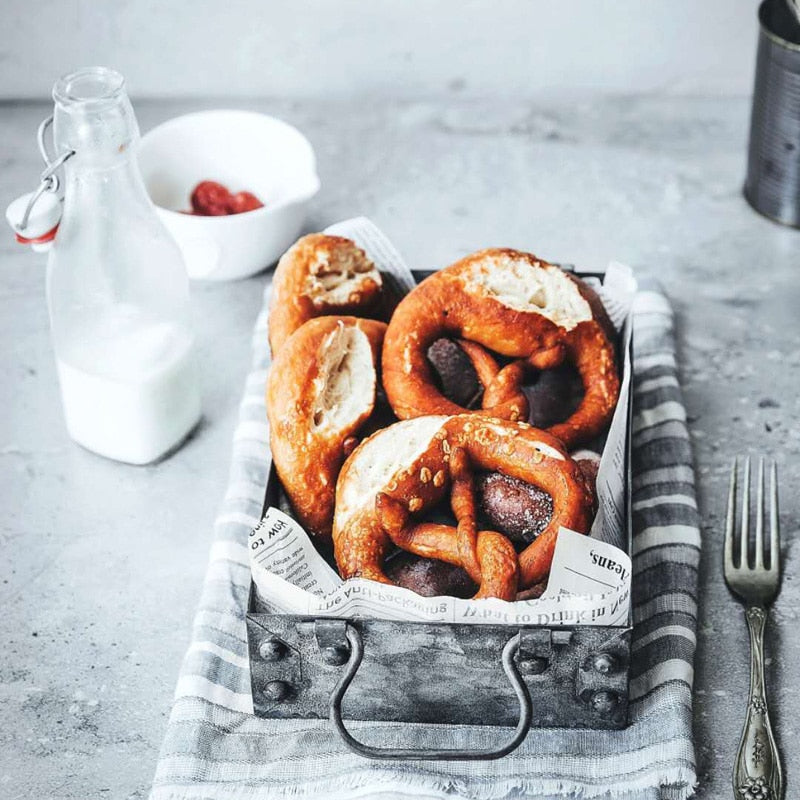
{"type": "Point", "coordinates": [320, 391]}
{"type": "Point", "coordinates": [521, 308]}
{"type": "Point", "coordinates": [402, 471]}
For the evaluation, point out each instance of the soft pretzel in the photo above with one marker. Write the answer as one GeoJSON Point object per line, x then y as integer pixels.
{"type": "Point", "coordinates": [404, 470]}
{"type": "Point", "coordinates": [321, 275]}
{"type": "Point", "coordinates": [320, 391]}
{"type": "Point", "coordinates": [519, 307]}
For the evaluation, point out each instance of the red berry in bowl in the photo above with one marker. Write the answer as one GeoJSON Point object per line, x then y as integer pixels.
{"type": "Point", "coordinates": [243, 201]}
{"type": "Point", "coordinates": [210, 199]}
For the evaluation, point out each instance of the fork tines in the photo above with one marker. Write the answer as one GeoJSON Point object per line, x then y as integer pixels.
{"type": "Point", "coordinates": [755, 562]}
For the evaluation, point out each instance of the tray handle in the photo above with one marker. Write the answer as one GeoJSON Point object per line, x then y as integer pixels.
{"type": "Point", "coordinates": [411, 754]}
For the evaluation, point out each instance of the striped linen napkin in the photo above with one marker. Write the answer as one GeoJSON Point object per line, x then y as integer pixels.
{"type": "Point", "coordinates": [215, 749]}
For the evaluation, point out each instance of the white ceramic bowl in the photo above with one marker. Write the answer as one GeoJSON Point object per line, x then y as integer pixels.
{"type": "Point", "coordinates": [245, 151]}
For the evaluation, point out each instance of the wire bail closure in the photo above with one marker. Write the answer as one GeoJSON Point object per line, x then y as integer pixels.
{"type": "Point", "coordinates": [48, 180]}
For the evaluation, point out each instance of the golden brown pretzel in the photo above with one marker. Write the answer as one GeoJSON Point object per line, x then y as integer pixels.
{"type": "Point", "coordinates": [520, 307]}
{"type": "Point", "coordinates": [497, 573]}
{"type": "Point", "coordinates": [488, 557]}
{"type": "Point", "coordinates": [320, 391]}
{"type": "Point", "coordinates": [322, 275]}
{"type": "Point", "coordinates": [405, 469]}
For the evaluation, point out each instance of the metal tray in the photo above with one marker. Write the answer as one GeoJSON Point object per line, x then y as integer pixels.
{"type": "Point", "coordinates": [438, 673]}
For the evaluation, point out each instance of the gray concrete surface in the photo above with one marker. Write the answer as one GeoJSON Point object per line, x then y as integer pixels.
{"type": "Point", "coordinates": [315, 48]}
{"type": "Point", "coordinates": [102, 563]}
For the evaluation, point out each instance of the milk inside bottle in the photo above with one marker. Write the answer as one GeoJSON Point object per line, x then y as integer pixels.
{"type": "Point", "coordinates": [117, 287]}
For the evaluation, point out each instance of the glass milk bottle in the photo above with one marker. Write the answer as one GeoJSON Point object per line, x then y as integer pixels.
{"type": "Point", "coordinates": [117, 288]}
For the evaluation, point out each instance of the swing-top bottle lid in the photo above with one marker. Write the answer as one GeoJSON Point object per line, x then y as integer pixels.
{"type": "Point", "coordinates": [40, 226]}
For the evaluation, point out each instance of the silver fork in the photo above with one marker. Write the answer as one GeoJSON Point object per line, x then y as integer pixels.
{"type": "Point", "coordinates": [757, 770]}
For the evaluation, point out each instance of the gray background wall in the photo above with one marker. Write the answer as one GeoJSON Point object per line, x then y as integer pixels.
{"type": "Point", "coordinates": [415, 48]}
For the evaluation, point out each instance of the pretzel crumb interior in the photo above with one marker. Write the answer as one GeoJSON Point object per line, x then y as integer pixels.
{"type": "Point", "coordinates": [338, 276]}
{"type": "Point", "coordinates": [525, 286]}
{"type": "Point", "coordinates": [346, 379]}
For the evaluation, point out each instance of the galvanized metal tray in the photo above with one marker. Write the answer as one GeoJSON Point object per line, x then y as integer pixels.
{"type": "Point", "coordinates": [436, 673]}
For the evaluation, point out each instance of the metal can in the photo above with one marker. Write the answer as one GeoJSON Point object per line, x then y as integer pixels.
{"type": "Point", "coordinates": [772, 186]}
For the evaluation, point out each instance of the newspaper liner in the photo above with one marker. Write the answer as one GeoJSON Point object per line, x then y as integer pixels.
{"type": "Point", "coordinates": [590, 577]}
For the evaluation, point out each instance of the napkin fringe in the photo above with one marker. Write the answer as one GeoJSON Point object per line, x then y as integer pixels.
{"type": "Point", "coordinates": [676, 783]}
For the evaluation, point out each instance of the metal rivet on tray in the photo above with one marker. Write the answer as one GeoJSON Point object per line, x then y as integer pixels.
{"type": "Point", "coordinates": [276, 690]}
{"type": "Point", "coordinates": [335, 655]}
{"type": "Point", "coordinates": [533, 666]}
{"type": "Point", "coordinates": [604, 702]}
{"type": "Point", "coordinates": [272, 649]}
{"type": "Point", "coordinates": [561, 638]}
{"type": "Point", "coordinates": [604, 663]}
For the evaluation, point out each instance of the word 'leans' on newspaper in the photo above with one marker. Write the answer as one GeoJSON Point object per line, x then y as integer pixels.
{"type": "Point", "coordinates": [590, 578]}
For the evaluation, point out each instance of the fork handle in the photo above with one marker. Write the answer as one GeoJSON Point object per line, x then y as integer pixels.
{"type": "Point", "coordinates": [757, 771]}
